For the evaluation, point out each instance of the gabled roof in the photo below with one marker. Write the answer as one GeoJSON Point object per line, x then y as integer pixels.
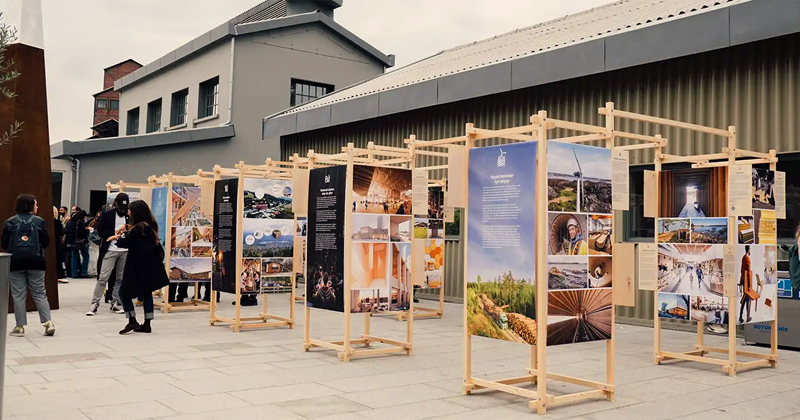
{"type": "Point", "coordinates": [268, 15]}
{"type": "Point", "coordinates": [623, 34]}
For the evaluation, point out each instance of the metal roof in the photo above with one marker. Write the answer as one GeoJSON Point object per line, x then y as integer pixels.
{"type": "Point", "coordinates": [66, 148]}
{"type": "Point", "coordinates": [267, 15]}
{"type": "Point", "coordinates": [618, 35]}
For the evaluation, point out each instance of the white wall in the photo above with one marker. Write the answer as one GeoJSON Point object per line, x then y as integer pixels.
{"type": "Point", "coordinates": [214, 62]}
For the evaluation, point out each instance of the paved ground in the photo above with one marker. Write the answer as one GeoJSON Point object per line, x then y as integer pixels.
{"type": "Point", "coordinates": [189, 370]}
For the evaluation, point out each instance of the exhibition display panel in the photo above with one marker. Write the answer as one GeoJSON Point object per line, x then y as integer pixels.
{"type": "Point", "coordinates": [358, 259]}
{"type": "Point", "coordinates": [183, 207]}
{"type": "Point", "coordinates": [715, 243]}
{"type": "Point", "coordinates": [254, 239]}
{"type": "Point", "coordinates": [562, 192]}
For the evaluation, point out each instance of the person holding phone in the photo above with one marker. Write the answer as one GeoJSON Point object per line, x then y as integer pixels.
{"type": "Point", "coordinates": [111, 257]}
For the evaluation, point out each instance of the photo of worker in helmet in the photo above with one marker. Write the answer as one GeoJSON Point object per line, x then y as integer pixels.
{"type": "Point", "coordinates": [568, 234]}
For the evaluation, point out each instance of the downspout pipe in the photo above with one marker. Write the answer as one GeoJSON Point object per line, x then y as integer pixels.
{"type": "Point", "coordinates": [76, 169]}
{"type": "Point", "coordinates": [230, 87]}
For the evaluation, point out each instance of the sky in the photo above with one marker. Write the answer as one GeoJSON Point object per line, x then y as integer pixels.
{"type": "Point", "coordinates": [82, 37]}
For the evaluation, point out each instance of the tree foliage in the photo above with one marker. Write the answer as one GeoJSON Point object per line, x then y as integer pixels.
{"type": "Point", "coordinates": [518, 295]}
{"type": "Point", "coordinates": [7, 74]}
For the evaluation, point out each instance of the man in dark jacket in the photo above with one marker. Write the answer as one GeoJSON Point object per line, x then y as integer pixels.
{"type": "Point", "coordinates": [110, 256]}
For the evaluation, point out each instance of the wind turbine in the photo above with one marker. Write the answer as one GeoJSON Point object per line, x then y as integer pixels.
{"type": "Point", "coordinates": [579, 175]}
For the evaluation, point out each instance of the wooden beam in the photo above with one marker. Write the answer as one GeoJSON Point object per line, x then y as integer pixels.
{"type": "Point", "coordinates": [667, 122]}
{"type": "Point", "coordinates": [370, 338]}
{"type": "Point", "coordinates": [526, 393]}
{"type": "Point", "coordinates": [650, 139]}
{"type": "Point", "coordinates": [738, 162]}
{"type": "Point", "coordinates": [575, 381]}
{"type": "Point", "coordinates": [581, 138]}
{"type": "Point", "coordinates": [693, 358]}
{"type": "Point", "coordinates": [578, 396]}
{"type": "Point", "coordinates": [569, 125]}
{"type": "Point", "coordinates": [639, 146]}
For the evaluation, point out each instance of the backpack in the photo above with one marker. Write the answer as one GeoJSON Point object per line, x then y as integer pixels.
{"type": "Point", "coordinates": [25, 239]}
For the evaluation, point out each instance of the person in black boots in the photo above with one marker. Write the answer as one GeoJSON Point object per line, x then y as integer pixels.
{"type": "Point", "coordinates": [112, 258]}
{"type": "Point", "coordinates": [144, 269]}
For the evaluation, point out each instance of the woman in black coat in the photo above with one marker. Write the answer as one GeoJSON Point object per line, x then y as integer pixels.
{"type": "Point", "coordinates": [144, 267]}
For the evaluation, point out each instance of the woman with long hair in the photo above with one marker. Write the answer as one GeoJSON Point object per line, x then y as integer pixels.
{"type": "Point", "coordinates": [144, 268]}
{"type": "Point", "coordinates": [25, 237]}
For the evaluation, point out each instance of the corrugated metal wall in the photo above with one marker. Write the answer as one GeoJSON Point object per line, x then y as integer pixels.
{"type": "Point", "coordinates": [753, 87]}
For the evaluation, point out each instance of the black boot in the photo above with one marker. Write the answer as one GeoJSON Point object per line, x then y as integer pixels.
{"type": "Point", "coordinates": [132, 326]}
{"type": "Point", "coordinates": [144, 328]}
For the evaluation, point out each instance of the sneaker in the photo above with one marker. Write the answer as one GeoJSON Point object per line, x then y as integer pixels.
{"type": "Point", "coordinates": [63, 281]}
{"type": "Point", "coordinates": [49, 328]}
{"type": "Point", "coordinates": [18, 332]}
{"type": "Point", "coordinates": [117, 308]}
{"type": "Point", "coordinates": [92, 310]}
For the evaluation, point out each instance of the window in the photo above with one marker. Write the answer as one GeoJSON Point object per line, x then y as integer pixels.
{"type": "Point", "coordinates": [102, 103]}
{"type": "Point", "coordinates": [209, 98]}
{"type": "Point", "coordinates": [303, 91]}
{"type": "Point", "coordinates": [133, 122]}
{"type": "Point", "coordinates": [179, 108]}
{"type": "Point", "coordinates": [114, 104]}
{"type": "Point", "coordinates": [154, 116]}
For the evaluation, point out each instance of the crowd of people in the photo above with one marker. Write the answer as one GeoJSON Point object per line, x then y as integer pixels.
{"type": "Point", "coordinates": [130, 253]}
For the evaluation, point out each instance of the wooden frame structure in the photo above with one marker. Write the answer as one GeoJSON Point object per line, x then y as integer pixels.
{"type": "Point", "coordinates": [270, 170]}
{"type": "Point", "coordinates": [728, 156]}
{"type": "Point", "coordinates": [168, 180]}
{"type": "Point", "coordinates": [351, 156]}
{"type": "Point", "coordinates": [537, 375]}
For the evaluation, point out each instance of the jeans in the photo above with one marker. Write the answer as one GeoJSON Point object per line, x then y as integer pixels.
{"type": "Point", "coordinates": [147, 302]}
{"type": "Point", "coordinates": [80, 261]}
{"type": "Point", "coordinates": [20, 281]}
{"type": "Point", "coordinates": [111, 260]}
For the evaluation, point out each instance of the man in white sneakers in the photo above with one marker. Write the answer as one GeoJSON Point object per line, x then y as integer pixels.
{"type": "Point", "coordinates": [111, 257]}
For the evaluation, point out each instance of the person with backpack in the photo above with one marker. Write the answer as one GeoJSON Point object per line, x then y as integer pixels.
{"type": "Point", "coordinates": [144, 267]}
{"type": "Point", "coordinates": [25, 236]}
{"type": "Point", "coordinates": [112, 258]}
{"type": "Point", "coordinates": [78, 242]}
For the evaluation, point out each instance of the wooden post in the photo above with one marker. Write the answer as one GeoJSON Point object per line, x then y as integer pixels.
{"type": "Point", "coordinates": [732, 239]}
{"type": "Point", "coordinates": [657, 358]}
{"type": "Point", "coordinates": [468, 383]}
{"type": "Point", "coordinates": [541, 263]}
{"type": "Point", "coordinates": [773, 332]}
{"type": "Point", "coordinates": [306, 309]}
{"type": "Point", "coordinates": [348, 253]}
{"type": "Point", "coordinates": [611, 342]}
{"type": "Point", "coordinates": [239, 253]}
{"type": "Point", "coordinates": [168, 242]}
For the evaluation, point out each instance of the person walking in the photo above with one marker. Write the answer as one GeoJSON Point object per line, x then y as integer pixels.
{"type": "Point", "coordinates": [25, 236]}
{"type": "Point", "coordinates": [58, 239]}
{"type": "Point", "coordinates": [144, 268]}
{"type": "Point", "coordinates": [111, 257]}
{"type": "Point", "coordinates": [78, 241]}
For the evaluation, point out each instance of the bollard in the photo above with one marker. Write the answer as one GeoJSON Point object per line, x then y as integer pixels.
{"type": "Point", "coordinates": [5, 265]}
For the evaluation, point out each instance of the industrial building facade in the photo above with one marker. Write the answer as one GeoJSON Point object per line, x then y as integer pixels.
{"type": "Point", "coordinates": [715, 63]}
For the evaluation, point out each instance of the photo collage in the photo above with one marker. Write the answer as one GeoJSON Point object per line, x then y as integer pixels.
{"type": "Point", "coordinates": [429, 225]}
{"type": "Point", "coordinates": [579, 243]}
{"type": "Point", "coordinates": [191, 237]}
{"type": "Point", "coordinates": [757, 254]}
{"type": "Point", "coordinates": [268, 230]}
{"type": "Point", "coordinates": [380, 271]}
{"type": "Point", "coordinates": [691, 236]}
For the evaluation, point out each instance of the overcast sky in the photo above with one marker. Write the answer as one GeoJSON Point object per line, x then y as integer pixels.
{"type": "Point", "coordinates": [82, 37]}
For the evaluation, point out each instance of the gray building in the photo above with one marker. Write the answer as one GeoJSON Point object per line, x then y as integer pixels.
{"type": "Point", "coordinates": [717, 63]}
{"type": "Point", "coordinates": [202, 104]}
